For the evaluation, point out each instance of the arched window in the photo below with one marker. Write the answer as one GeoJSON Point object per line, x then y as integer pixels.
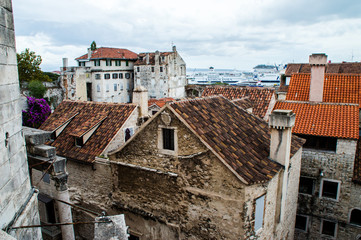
{"type": "Point", "coordinates": [355, 217]}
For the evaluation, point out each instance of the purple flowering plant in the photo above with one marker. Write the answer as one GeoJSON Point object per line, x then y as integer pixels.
{"type": "Point", "coordinates": [38, 111]}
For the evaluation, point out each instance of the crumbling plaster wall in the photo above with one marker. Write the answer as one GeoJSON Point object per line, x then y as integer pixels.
{"type": "Point", "coordinates": [193, 193]}
{"type": "Point", "coordinates": [336, 166]}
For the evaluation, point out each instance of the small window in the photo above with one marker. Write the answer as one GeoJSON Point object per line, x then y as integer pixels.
{"type": "Point", "coordinates": [107, 76]}
{"type": "Point", "coordinates": [107, 87]}
{"type": "Point", "coordinates": [355, 217]}
{"type": "Point", "coordinates": [259, 212]}
{"type": "Point", "coordinates": [328, 228]}
{"type": "Point", "coordinates": [127, 75]}
{"type": "Point", "coordinates": [138, 69]}
{"type": "Point", "coordinates": [152, 69]}
{"type": "Point", "coordinates": [97, 76]}
{"type": "Point", "coordinates": [121, 75]}
{"type": "Point", "coordinates": [115, 87]}
{"type": "Point", "coordinates": [330, 189]}
{"type": "Point", "coordinates": [121, 86]}
{"type": "Point", "coordinates": [128, 132]}
{"type": "Point", "coordinates": [115, 75]}
{"type": "Point", "coordinates": [96, 62]}
{"type": "Point", "coordinates": [154, 112]}
{"type": "Point", "coordinates": [133, 237]}
{"type": "Point", "coordinates": [117, 63]}
{"type": "Point", "coordinates": [168, 138]}
{"type": "Point", "coordinates": [161, 69]}
{"type": "Point", "coordinates": [98, 88]}
{"type": "Point", "coordinates": [79, 141]}
{"type": "Point", "coordinates": [301, 222]}
{"type": "Point", "coordinates": [126, 63]}
{"type": "Point", "coordinates": [81, 64]}
{"type": "Point", "coordinates": [306, 185]}
{"type": "Point", "coordinates": [108, 62]}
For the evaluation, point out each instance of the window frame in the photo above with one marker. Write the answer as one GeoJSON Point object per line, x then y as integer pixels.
{"type": "Point", "coordinates": [160, 140]}
{"type": "Point", "coordinates": [349, 217]}
{"type": "Point", "coordinates": [107, 76]}
{"type": "Point", "coordinates": [338, 189]}
{"type": "Point", "coordinates": [335, 231]}
{"type": "Point", "coordinates": [263, 212]}
{"type": "Point", "coordinates": [313, 186]}
{"type": "Point", "coordinates": [114, 75]}
{"type": "Point", "coordinates": [118, 63]}
{"type": "Point", "coordinates": [97, 63]}
{"type": "Point", "coordinates": [307, 223]}
{"type": "Point", "coordinates": [108, 62]}
{"type": "Point", "coordinates": [98, 76]}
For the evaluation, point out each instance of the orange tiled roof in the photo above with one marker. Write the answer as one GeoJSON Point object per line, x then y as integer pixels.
{"type": "Point", "coordinates": [324, 119]}
{"type": "Point", "coordinates": [239, 138]}
{"type": "Point", "coordinates": [338, 88]}
{"type": "Point", "coordinates": [111, 115]}
{"type": "Point", "coordinates": [261, 97]}
{"type": "Point", "coordinates": [113, 53]}
{"type": "Point", "coordinates": [142, 58]}
{"type": "Point", "coordinates": [345, 67]}
{"type": "Point", "coordinates": [160, 102]}
{"type": "Point", "coordinates": [244, 103]}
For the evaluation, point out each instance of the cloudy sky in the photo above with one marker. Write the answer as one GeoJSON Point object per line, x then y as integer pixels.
{"type": "Point", "coordinates": [225, 34]}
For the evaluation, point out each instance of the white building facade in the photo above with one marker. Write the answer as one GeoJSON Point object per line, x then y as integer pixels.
{"type": "Point", "coordinates": [102, 75]}
{"type": "Point", "coordinates": [163, 74]}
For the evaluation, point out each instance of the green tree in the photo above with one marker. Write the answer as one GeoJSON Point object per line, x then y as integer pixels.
{"type": "Point", "coordinates": [29, 67]}
{"type": "Point", "coordinates": [93, 46]}
{"type": "Point", "coordinates": [37, 89]}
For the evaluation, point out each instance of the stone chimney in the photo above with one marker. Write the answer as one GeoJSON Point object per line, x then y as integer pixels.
{"type": "Point", "coordinates": [147, 58]}
{"type": "Point", "coordinates": [65, 64]}
{"type": "Point", "coordinates": [140, 97]}
{"type": "Point", "coordinates": [156, 57]}
{"type": "Point", "coordinates": [318, 65]}
{"type": "Point", "coordinates": [281, 123]}
{"type": "Point", "coordinates": [89, 53]}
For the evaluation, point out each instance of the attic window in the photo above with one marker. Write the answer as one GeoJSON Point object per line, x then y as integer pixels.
{"type": "Point", "coordinates": [79, 141]}
{"type": "Point", "coordinates": [167, 140]}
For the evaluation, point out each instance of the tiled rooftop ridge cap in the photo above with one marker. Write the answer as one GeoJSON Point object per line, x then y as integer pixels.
{"type": "Point", "coordinates": [107, 103]}
{"type": "Point", "coordinates": [319, 103]}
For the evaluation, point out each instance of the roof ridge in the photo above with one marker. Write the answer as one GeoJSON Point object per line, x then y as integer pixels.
{"type": "Point", "coordinates": [319, 103]}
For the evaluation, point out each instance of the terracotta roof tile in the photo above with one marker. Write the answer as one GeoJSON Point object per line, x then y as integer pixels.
{"type": "Point", "coordinates": [338, 88]}
{"type": "Point", "coordinates": [113, 53]}
{"type": "Point", "coordinates": [324, 119]}
{"type": "Point", "coordinates": [159, 102]}
{"type": "Point", "coordinates": [261, 97]}
{"type": "Point", "coordinates": [244, 103]}
{"type": "Point", "coordinates": [239, 138]}
{"type": "Point", "coordinates": [111, 115]}
{"type": "Point", "coordinates": [345, 67]}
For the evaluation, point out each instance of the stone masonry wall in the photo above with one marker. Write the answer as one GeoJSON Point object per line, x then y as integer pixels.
{"type": "Point", "coordinates": [334, 166]}
{"type": "Point", "coordinates": [190, 196]}
{"type": "Point", "coordinates": [16, 194]}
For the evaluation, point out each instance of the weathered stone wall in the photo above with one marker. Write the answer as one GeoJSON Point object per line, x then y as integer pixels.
{"type": "Point", "coordinates": [335, 166]}
{"type": "Point", "coordinates": [16, 194]}
{"type": "Point", "coordinates": [192, 194]}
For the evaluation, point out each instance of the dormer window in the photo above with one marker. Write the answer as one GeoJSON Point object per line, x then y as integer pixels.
{"type": "Point", "coordinates": [54, 134]}
{"type": "Point", "coordinates": [86, 130]}
{"type": "Point", "coordinates": [168, 140]}
{"type": "Point", "coordinates": [79, 141]}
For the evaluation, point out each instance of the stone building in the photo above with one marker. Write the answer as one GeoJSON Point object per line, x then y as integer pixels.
{"type": "Point", "coordinates": [327, 110]}
{"type": "Point", "coordinates": [207, 169]}
{"type": "Point", "coordinates": [83, 133]}
{"type": "Point", "coordinates": [18, 200]}
{"type": "Point", "coordinates": [102, 75]}
{"type": "Point", "coordinates": [330, 68]}
{"type": "Point", "coordinates": [163, 74]}
{"type": "Point", "coordinates": [259, 101]}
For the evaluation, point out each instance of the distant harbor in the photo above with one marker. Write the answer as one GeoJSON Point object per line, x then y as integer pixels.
{"type": "Point", "coordinates": [262, 75]}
